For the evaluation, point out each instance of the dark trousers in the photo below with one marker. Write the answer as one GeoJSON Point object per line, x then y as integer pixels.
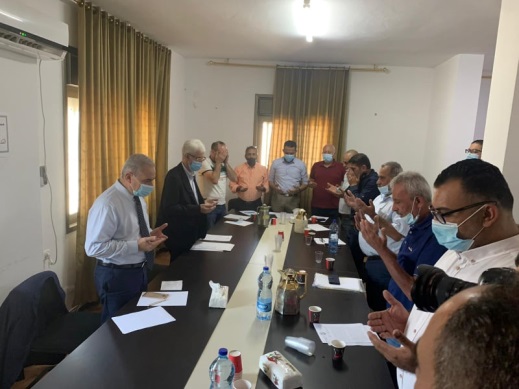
{"type": "Point", "coordinates": [215, 215]}
{"type": "Point", "coordinates": [240, 205]}
{"type": "Point", "coordinates": [116, 287]}
{"type": "Point", "coordinates": [377, 280]}
{"type": "Point", "coordinates": [356, 253]}
{"type": "Point", "coordinates": [332, 213]}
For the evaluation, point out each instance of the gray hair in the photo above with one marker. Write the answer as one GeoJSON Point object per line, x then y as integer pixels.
{"type": "Point", "coordinates": [414, 183]}
{"type": "Point", "coordinates": [394, 168]}
{"type": "Point", "coordinates": [135, 163]}
{"type": "Point", "coordinates": [193, 146]}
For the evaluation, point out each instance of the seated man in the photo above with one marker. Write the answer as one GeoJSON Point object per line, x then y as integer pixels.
{"type": "Point", "coordinates": [411, 200]}
{"type": "Point", "coordinates": [475, 149]}
{"type": "Point", "coordinates": [251, 182]}
{"type": "Point", "coordinates": [472, 207]}
{"type": "Point", "coordinates": [182, 205]}
{"type": "Point", "coordinates": [472, 341]}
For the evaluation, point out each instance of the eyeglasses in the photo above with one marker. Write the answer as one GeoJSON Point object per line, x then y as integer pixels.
{"type": "Point", "coordinates": [440, 216]}
{"type": "Point", "coordinates": [198, 159]}
{"type": "Point", "coordinates": [473, 151]}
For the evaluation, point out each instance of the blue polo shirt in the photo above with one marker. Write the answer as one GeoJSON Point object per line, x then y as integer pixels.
{"type": "Point", "coordinates": [419, 247]}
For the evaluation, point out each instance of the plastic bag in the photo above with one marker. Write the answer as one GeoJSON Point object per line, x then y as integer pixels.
{"type": "Point", "coordinates": [219, 295]}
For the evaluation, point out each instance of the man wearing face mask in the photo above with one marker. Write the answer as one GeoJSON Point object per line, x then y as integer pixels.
{"type": "Point", "coordinates": [411, 200]}
{"type": "Point", "coordinates": [475, 150]}
{"type": "Point", "coordinates": [251, 182]}
{"type": "Point", "coordinates": [287, 179]}
{"type": "Point", "coordinates": [473, 211]}
{"type": "Point", "coordinates": [324, 174]}
{"type": "Point", "coordinates": [119, 237]}
{"type": "Point", "coordinates": [182, 205]}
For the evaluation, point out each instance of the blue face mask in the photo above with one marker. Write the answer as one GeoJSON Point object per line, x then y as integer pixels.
{"type": "Point", "coordinates": [471, 156]}
{"type": "Point", "coordinates": [409, 218]}
{"type": "Point", "coordinates": [327, 158]}
{"type": "Point", "coordinates": [289, 157]}
{"type": "Point", "coordinates": [447, 234]}
{"type": "Point", "coordinates": [143, 191]}
{"type": "Point", "coordinates": [195, 166]}
{"type": "Point", "coordinates": [383, 189]}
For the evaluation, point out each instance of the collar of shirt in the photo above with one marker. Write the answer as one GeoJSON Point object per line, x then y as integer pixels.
{"type": "Point", "coordinates": [190, 175]}
{"type": "Point", "coordinates": [484, 252]}
{"type": "Point", "coordinates": [121, 188]}
{"type": "Point", "coordinates": [424, 224]}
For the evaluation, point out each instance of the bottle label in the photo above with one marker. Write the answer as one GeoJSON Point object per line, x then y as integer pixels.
{"type": "Point", "coordinates": [264, 306]}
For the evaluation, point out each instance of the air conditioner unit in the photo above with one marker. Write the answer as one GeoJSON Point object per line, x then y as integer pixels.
{"type": "Point", "coordinates": [29, 32]}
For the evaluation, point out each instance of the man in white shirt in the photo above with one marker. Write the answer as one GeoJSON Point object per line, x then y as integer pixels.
{"type": "Point", "coordinates": [473, 210]}
{"type": "Point", "coordinates": [213, 180]}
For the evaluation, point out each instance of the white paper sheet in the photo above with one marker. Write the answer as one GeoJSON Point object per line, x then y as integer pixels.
{"type": "Point", "coordinates": [218, 238]}
{"type": "Point", "coordinates": [241, 223]}
{"type": "Point", "coordinates": [211, 246]}
{"type": "Point", "coordinates": [249, 213]}
{"type": "Point", "coordinates": [231, 216]}
{"type": "Point", "coordinates": [171, 285]}
{"type": "Point", "coordinates": [144, 319]}
{"type": "Point", "coordinates": [355, 334]}
{"type": "Point", "coordinates": [174, 299]}
{"type": "Point", "coordinates": [321, 218]}
{"type": "Point", "coordinates": [347, 283]}
{"type": "Point", "coordinates": [317, 227]}
{"type": "Point", "coordinates": [325, 241]}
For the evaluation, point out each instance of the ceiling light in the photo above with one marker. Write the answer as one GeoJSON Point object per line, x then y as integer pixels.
{"type": "Point", "coordinates": [311, 18]}
{"type": "Point", "coordinates": [308, 21]}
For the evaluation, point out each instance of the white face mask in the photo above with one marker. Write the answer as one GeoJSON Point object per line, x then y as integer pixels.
{"type": "Point", "coordinates": [409, 218]}
{"type": "Point", "coordinates": [383, 189]}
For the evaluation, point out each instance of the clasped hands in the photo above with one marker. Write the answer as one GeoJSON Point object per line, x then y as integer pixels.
{"type": "Point", "coordinates": [151, 242]}
{"type": "Point", "coordinates": [259, 188]}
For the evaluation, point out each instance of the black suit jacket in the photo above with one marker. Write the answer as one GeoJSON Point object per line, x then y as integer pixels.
{"type": "Point", "coordinates": [180, 209]}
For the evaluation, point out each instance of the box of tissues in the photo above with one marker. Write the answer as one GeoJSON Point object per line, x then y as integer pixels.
{"type": "Point", "coordinates": [280, 371]}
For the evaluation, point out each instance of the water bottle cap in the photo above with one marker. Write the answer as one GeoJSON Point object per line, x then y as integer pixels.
{"type": "Point", "coordinates": [265, 268]}
{"type": "Point", "coordinates": [222, 352]}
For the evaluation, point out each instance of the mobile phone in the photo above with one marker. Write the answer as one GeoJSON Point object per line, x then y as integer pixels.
{"type": "Point", "coordinates": [333, 279]}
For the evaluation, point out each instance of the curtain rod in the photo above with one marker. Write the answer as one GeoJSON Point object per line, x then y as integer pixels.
{"type": "Point", "coordinates": [246, 65]}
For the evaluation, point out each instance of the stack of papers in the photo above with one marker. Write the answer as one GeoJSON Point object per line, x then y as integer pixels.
{"type": "Point", "coordinates": [347, 283]}
{"type": "Point", "coordinates": [249, 213]}
{"type": "Point", "coordinates": [325, 241]}
{"type": "Point", "coordinates": [352, 334]}
{"type": "Point", "coordinates": [170, 299]}
{"type": "Point", "coordinates": [218, 238]}
{"type": "Point", "coordinates": [211, 246]}
{"type": "Point", "coordinates": [321, 218]}
{"type": "Point", "coordinates": [144, 319]}
{"type": "Point", "coordinates": [317, 227]}
{"type": "Point", "coordinates": [241, 223]}
{"type": "Point", "coordinates": [231, 216]}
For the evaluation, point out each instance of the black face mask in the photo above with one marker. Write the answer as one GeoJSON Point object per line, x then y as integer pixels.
{"type": "Point", "coordinates": [251, 161]}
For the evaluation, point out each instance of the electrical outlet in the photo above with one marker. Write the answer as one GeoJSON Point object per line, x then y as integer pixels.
{"type": "Point", "coordinates": [46, 255]}
{"type": "Point", "coordinates": [43, 176]}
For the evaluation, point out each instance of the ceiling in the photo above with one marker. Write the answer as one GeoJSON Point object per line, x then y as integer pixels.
{"type": "Point", "coordinates": [358, 32]}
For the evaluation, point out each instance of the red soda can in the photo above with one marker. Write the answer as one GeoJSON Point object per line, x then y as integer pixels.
{"type": "Point", "coordinates": [314, 220]}
{"type": "Point", "coordinates": [274, 220]}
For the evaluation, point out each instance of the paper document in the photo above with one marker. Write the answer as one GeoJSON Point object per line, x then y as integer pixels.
{"type": "Point", "coordinates": [171, 285]}
{"type": "Point", "coordinates": [211, 246]}
{"type": "Point", "coordinates": [355, 334]}
{"type": "Point", "coordinates": [347, 283]}
{"type": "Point", "coordinates": [321, 218]}
{"type": "Point", "coordinates": [173, 299]}
{"type": "Point", "coordinates": [231, 216]}
{"type": "Point", "coordinates": [317, 227]}
{"type": "Point", "coordinates": [325, 241]}
{"type": "Point", "coordinates": [218, 238]}
{"type": "Point", "coordinates": [241, 223]}
{"type": "Point", "coordinates": [249, 213]}
{"type": "Point", "coordinates": [144, 319]}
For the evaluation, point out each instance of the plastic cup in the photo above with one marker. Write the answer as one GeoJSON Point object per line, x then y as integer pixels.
{"type": "Point", "coordinates": [241, 384]}
{"type": "Point", "coordinates": [318, 256]}
{"type": "Point", "coordinates": [330, 262]}
{"type": "Point", "coordinates": [308, 239]}
{"type": "Point", "coordinates": [301, 277]}
{"type": "Point", "coordinates": [278, 239]}
{"type": "Point", "coordinates": [282, 218]}
{"type": "Point", "coordinates": [307, 231]}
{"type": "Point", "coordinates": [314, 314]}
{"type": "Point", "coordinates": [338, 347]}
{"type": "Point", "coordinates": [269, 258]}
{"type": "Point", "coordinates": [235, 358]}
{"type": "Point", "coordinates": [314, 220]}
{"type": "Point", "coordinates": [273, 221]}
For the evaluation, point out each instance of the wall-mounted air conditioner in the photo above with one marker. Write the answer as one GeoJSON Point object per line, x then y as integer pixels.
{"type": "Point", "coordinates": [29, 32]}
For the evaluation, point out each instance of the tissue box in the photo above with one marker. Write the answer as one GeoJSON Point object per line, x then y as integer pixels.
{"type": "Point", "coordinates": [280, 371]}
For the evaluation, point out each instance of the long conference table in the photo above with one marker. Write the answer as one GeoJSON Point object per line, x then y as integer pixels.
{"type": "Point", "coordinates": [178, 354]}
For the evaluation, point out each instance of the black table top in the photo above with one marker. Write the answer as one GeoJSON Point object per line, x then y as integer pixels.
{"type": "Point", "coordinates": [165, 356]}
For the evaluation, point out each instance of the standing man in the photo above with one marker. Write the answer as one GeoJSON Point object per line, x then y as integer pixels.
{"type": "Point", "coordinates": [118, 234]}
{"type": "Point", "coordinates": [473, 211]}
{"type": "Point", "coordinates": [182, 205]}
{"type": "Point", "coordinates": [411, 201]}
{"type": "Point", "coordinates": [323, 174]}
{"type": "Point", "coordinates": [394, 227]}
{"type": "Point", "coordinates": [287, 179]}
{"type": "Point", "coordinates": [475, 149]}
{"type": "Point", "coordinates": [213, 179]}
{"type": "Point", "coordinates": [251, 182]}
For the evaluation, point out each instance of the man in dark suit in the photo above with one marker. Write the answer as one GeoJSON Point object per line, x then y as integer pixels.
{"type": "Point", "coordinates": [182, 205]}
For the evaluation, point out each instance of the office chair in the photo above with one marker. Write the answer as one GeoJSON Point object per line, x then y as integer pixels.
{"type": "Point", "coordinates": [37, 329]}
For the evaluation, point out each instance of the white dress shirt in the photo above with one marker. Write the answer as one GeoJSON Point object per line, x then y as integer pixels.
{"type": "Point", "coordinates": [467, 266]}
{"type": "Point", "coordinates": [344, 208]}
{"type": "Point", "coordinates": [112, 232]}
{"type": "Point", "coordinates": [384, 208]}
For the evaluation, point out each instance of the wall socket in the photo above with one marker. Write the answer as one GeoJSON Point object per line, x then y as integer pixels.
{"type": "Point", "coordinates": [43, 176]}
{"type": "Point", "coordinates": [46, 256]}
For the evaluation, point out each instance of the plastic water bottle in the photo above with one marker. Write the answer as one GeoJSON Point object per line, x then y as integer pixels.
{"type": "Point", "coordinates": [333, 240]}
{"type": "Point", "coordinates": [264, 302]}
{"type": "Point", "coordinates": [221, 371]}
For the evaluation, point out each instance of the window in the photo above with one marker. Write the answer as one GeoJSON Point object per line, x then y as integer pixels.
{"type": "Point", "coordinates": [263, 127]}
{"type": "Point", "coordinates": [71, 141]}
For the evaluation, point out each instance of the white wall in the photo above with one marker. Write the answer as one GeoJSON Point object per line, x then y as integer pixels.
{"type": "Point", "coordinates": [25, 227]}
{"type": "Point", "coordinates": [481, 118]}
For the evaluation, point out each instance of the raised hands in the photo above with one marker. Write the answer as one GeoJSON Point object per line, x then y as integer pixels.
{"type": "Point", "coordinates": [386, 322]}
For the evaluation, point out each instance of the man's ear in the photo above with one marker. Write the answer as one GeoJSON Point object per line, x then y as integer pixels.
{"type": "Point", "coordinates": [490, 215]}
